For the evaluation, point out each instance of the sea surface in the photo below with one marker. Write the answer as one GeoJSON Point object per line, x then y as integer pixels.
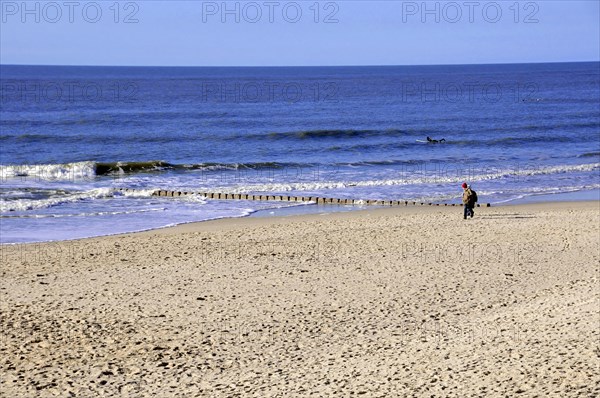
{"type": "Point", "coordinates": [70, 136]}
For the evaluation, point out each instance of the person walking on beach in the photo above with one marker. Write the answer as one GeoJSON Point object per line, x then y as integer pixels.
{"type": "Point", "coordinates": [469, 198]}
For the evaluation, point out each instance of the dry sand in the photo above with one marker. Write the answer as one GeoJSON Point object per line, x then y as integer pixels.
{"type": "Point", "coordinates": [380, 303]}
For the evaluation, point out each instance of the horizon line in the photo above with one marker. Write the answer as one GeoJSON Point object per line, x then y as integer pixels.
{"type": "Point", "coordinates": [300, 66]}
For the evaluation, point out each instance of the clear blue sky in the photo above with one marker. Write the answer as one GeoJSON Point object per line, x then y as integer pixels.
{"type": "Point", "coordinates": [192, 33]}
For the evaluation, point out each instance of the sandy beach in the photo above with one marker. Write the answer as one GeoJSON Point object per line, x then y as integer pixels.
{"type": "Point", "coordinates": [376, 303]}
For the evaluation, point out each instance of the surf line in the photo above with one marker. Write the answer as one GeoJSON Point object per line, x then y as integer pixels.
{"type": "Point", "coordinates": [315, 199]}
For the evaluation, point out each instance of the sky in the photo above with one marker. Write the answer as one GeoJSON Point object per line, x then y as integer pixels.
{"type": "Point", "coordinates": [297, 33]}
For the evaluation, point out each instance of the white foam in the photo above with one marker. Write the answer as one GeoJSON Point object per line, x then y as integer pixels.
{"type": "Point", "coordinates": [50, 172]}
{"type": "Point", "coordinates": [536, 191]}
{"type": "Point", "coordinates": [195, 198]}
{"type": "Point", "coordinates": [137, 193]}
{"type": "Point", "coordinates": [30, 204]}
{"type": "Point", "coordinates": [98, 213]}
{"type": "Point", "coordinates": [434, 179]}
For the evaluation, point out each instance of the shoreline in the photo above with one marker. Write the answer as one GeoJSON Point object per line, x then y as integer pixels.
{"type": "Point", "coordinates": [318, 212]}
{"type": "Point", "coordinates": [296, 208]}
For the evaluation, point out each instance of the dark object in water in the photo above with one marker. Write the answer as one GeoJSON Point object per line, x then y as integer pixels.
{"type": "Point", "coordinates": [432, 141]}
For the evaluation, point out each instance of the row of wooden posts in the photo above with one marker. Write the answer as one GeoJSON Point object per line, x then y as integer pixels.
{"type": "Point", "coordinates": [318, 200]}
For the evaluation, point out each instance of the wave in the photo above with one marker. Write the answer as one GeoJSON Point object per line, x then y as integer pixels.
{"type": "Point", "coordinates": [545, 127]}
{"type": "Point", "coordinates": [434, 179]}
{"type": "Point", "coordinates": [90, 169]}
{"type": "Point", "coordinates": [64, 197]}
{"type": "Point", "coordinates": [51, 172]}
{"type": "Point", "coordinates": [513, 140]}
{"type": "Point", "coordinates": [138, 193]}
{"type": "Point", "coordinates": [447, 131]}
{"type": "Point", "coordinates": [537, 191]}
{"type": "Point", "coordinates": [589, 155]}
{"type": "Point", "coordinates": [130, 167]}
{"type": "Point", "coordinates": [93, 214]}
{"type": "Point", "coordinates": [408, 132]}
{"type": "Point", "coordinates": [332, 133]}
{"type": "Point", "coordinates": [29, 204]}
{"type": "Point", "coordinates": [90, 139]}
{"type": "Point", "coordinates": [500, 142]}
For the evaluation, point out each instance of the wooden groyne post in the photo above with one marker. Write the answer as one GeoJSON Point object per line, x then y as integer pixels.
{"type": "Point", "coordinates": [280, 198]}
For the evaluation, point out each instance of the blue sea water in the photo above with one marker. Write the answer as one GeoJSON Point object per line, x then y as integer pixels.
{"type": "Point", "coordinates": [71, 135]}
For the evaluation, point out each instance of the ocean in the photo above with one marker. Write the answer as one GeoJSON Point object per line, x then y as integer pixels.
{"type": "Point", "coordinates": [71, 136]}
